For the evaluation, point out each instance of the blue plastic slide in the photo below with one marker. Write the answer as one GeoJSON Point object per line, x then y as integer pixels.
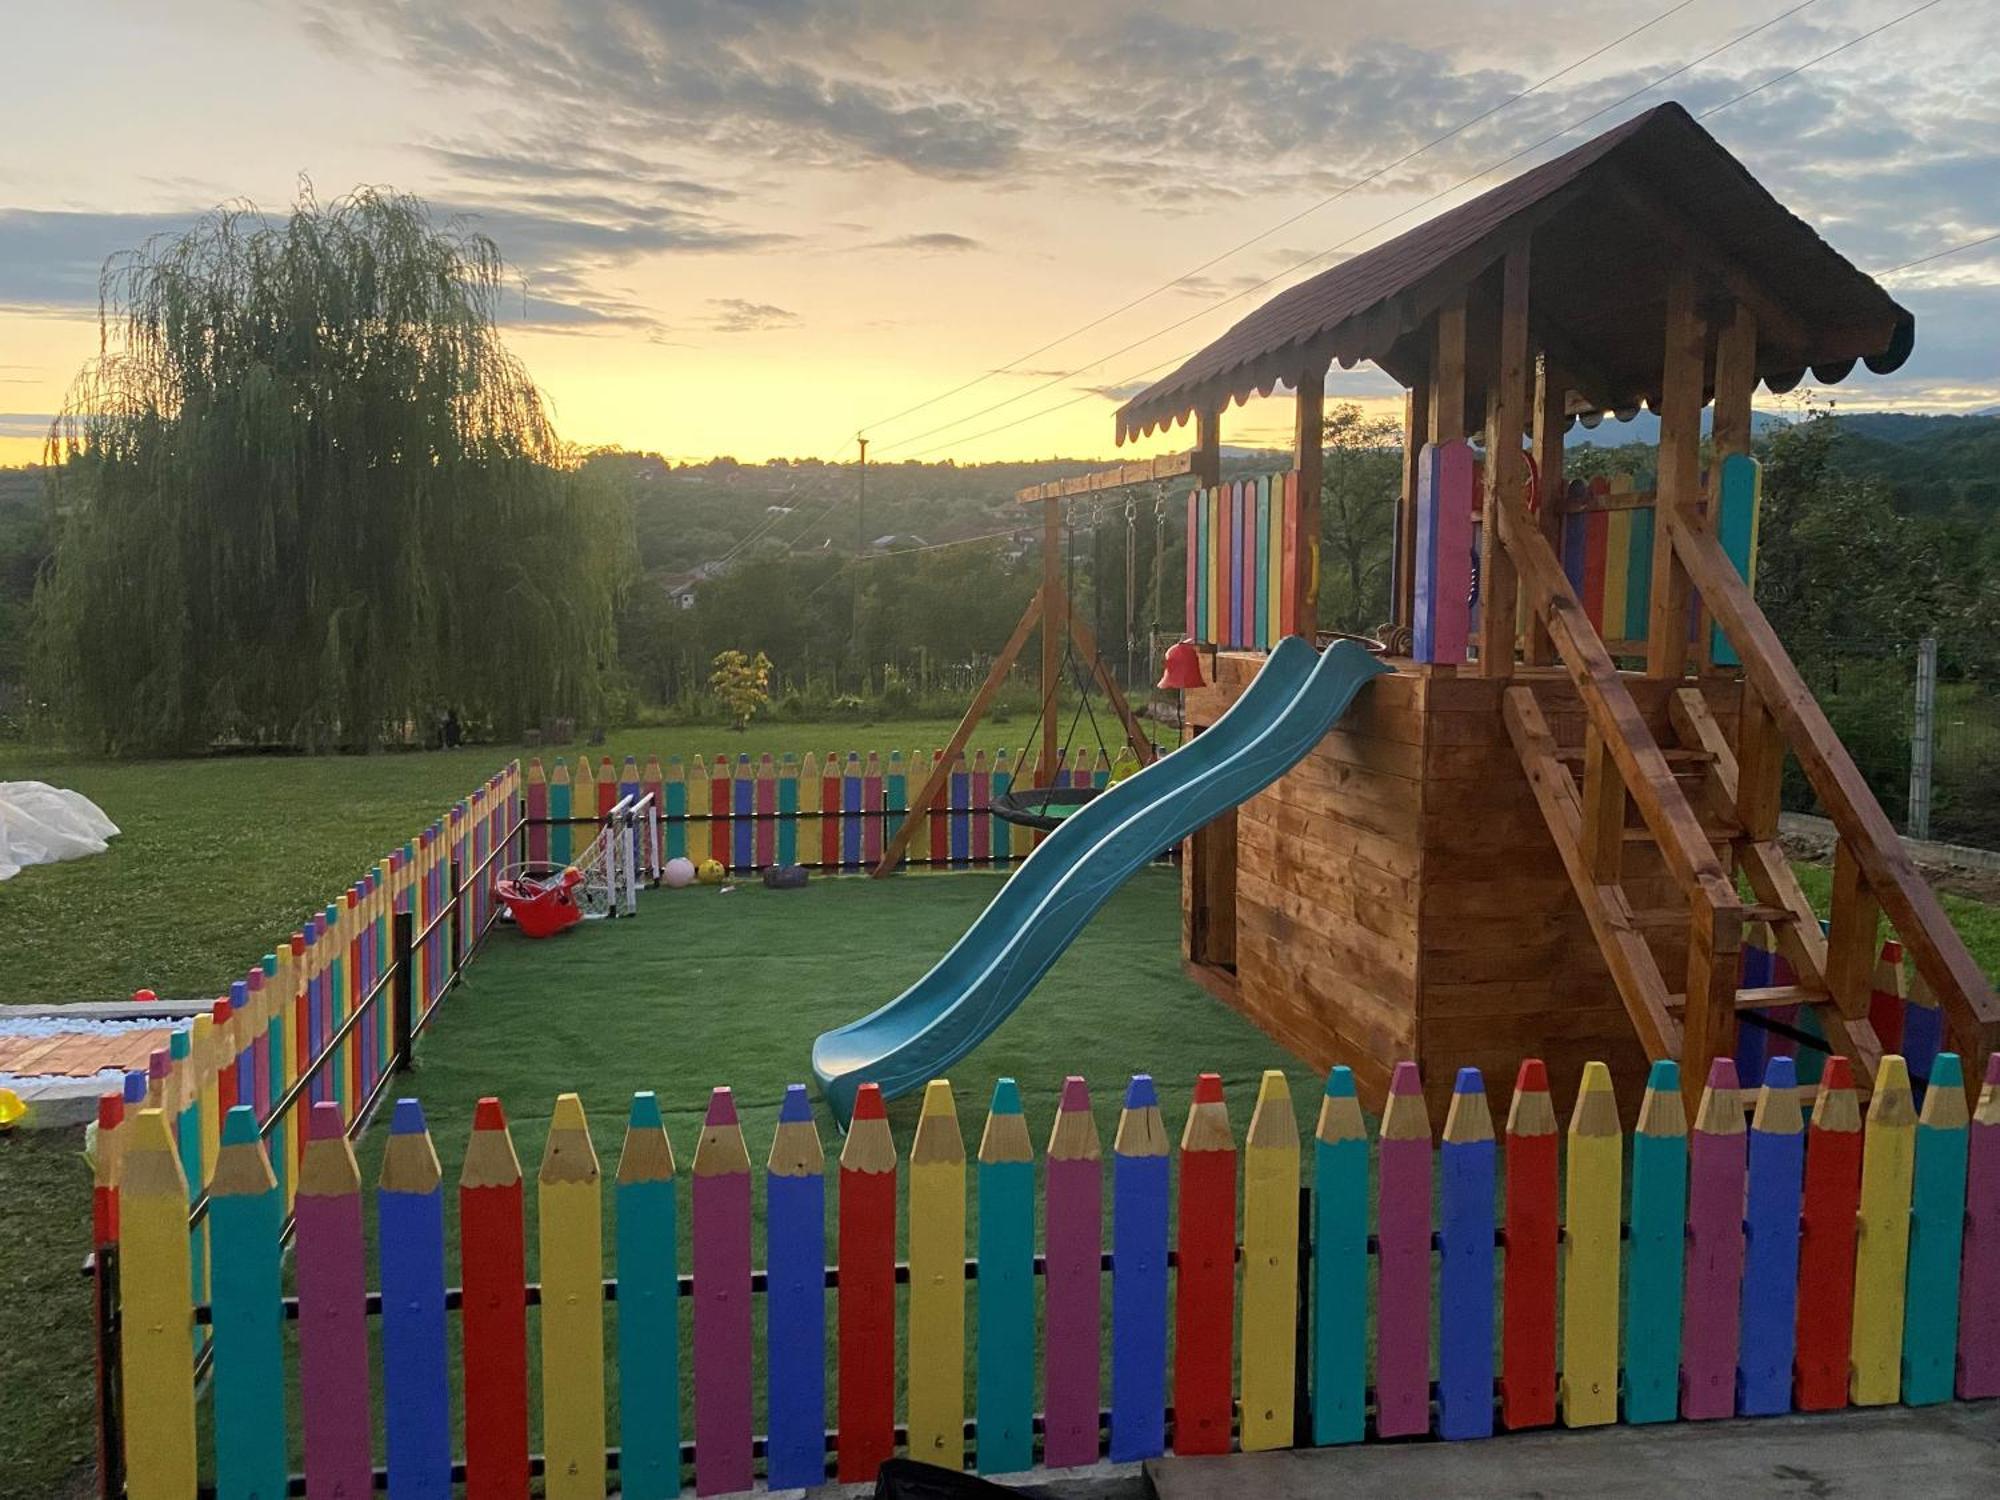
{"type": "Point", "coordinates": [1285, 711]}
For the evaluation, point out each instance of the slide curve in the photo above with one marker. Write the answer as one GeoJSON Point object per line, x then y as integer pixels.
{"type": "Point", "coordinates": [1286, 710]}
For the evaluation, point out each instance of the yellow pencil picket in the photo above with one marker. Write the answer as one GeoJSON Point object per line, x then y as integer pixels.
{"type": "Point", "coordinates": [1590, 1279]}
{"type": "Point", "coordinates": [1270, 1266]}
{"type": "Point", "coordinates": [1881, 1257]}
{"type": "Point", "coordinates": [569, 1199]}
{"type": "Point", "coordinates": [936, 1336]}
{"type": "Point", "coordinates": [156, 1346]}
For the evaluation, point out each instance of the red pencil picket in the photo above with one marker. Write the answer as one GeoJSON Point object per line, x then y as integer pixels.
{"type": "Point", "coordinates": [1205, 1288]}
{"type": "Point", "coordinates": [1528, 1321]}
{"type": "Point", "coordinates": [493, 1319]}
{"type": "Point", "coordinates": [867, 1316]}
{"type": "Point", "coordinates": [1826, 1243]}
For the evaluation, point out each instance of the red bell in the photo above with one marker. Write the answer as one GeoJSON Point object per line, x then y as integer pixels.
{"type": "Point", "coordinates": [1182, 668]}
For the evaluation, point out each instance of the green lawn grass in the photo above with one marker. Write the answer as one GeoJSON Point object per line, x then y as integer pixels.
{"type": "Point", "coordinates": [220, 856]}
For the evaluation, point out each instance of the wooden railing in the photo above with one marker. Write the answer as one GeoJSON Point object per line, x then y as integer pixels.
{"type": "Point", "coordinates": [1873, 876]}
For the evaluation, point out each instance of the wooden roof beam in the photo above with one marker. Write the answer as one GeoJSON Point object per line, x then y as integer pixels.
{"type": "Point", "coordinates": [1141, 471]}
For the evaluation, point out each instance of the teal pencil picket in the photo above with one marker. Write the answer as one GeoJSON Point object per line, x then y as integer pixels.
{"type": "Point", "coordinates": [244, 1215]}
{"type": "Point", "coordinates": [648, 1250]}
{"type": "Point", "coordinates": [1340, 1265]}
{"type": "Point", "coordinates": [1654, 1263]}
{"type": "Point", "coordinates": [1006, 1365]}
{"type": "Point", "coordinates": [1937, 1223]}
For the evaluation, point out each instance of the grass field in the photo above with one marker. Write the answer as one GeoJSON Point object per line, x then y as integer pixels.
{"type": "Point", "coordinates": [220, 856]}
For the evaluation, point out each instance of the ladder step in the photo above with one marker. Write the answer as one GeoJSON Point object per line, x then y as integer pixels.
{"type": "Point", "coordinates": [1674, 918]}
{"type": "Point", "coordinates": [1767, 998]}
{"type": "Point", "coordinates": [1716, 833]}
{"type": "Point", "coordinates": [1675, 755]}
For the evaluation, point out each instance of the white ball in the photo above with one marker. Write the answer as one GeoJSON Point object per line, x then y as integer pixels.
{"type": "Point", "coordinates": [679, 872]}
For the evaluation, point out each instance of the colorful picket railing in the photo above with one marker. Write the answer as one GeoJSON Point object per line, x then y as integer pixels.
{"type": "Point", "coordinates": [1606, 546]}
{"type": "Point", "coordinates": [307, 1026]}
{"type": "Point", "coordinates": [1242, 549]}
{"type": "Point", "coordinates": [1902, 1010]}
{"type": "Point", "coordinates": [1786, 1265]}
{"type": "Point", "coordinates": [748, 812]}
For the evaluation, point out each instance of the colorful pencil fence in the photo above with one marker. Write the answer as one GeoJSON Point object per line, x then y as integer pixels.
{"type": "Point", "coordinates": [1704, 1332]}
{"type": "Point", "coordinates": [833, 813]}
{"type": "Point", "coordinates": [1242, 550]}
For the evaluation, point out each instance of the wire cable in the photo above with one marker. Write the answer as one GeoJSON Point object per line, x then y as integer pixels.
{"type": "Point", "coordinates": [1924, 260]}
{"type": "Point", "coordinates": [1282, 224]}
{"type": "Point", "coordinates": [1831, 52]}
{"type": "Point", "coordinates": [1315, 258]}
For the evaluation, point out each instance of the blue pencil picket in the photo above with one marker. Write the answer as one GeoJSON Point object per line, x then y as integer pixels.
{"type": "Point", "coordinates": [416, 1402]}
{"type": "Point", "coordinates": [1771, 1245]}
{"type": "Point", "coordinates": [795, 1309]}
{"type": "Point", "coordinates": [1465, 1280]}
{"type": "Point", "coordinates": [1140, 1170]}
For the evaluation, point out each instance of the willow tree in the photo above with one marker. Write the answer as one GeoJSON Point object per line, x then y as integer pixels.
{"type": "Point", "coordinates": [306, 496]}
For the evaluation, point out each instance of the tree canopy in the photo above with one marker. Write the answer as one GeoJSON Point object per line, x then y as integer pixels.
{"type": "Point", "coordinates": [306, 496]}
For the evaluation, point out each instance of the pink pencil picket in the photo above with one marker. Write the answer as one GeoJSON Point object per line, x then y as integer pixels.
{"type": "Point", "coordinates": [1715, 1249]}
{"type": "Point", "coordinates": [1403, 1291]}
{"type": "Point", "coordinates": [722, 1304]}
{"type": "Point", "coordinates": [1979, 1273]}
{"type": "Point", "coordinates": [333, 1323]}
{"type": "Point", "coordinates": [1075, 1231]}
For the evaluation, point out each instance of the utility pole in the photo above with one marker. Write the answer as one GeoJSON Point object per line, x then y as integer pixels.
{"type": "Point", "coordinates": [860, 547]}
{"type": "Point", "coordinates": [1923, 739]}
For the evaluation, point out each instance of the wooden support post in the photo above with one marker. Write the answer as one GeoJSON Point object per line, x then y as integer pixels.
{"type": "Point", "coordinates": [1447, 392]}
{"type": "Point", "coordinates": [1308, 418]}
{"type": "Point", "coordinates": [1416, 432]}
{"type": "Point", "coordinates": [1551, 420]}
{"type": "Point", "coordinates": [1207, 449]}
{"type": "Point", "coordinates": [1055, 620]}
{"type": "Point", "coordinates": [1603, 809]}
{"type": "Point", "coordinates": [1506, 396]}
{"type": "Point", "coordinates": [1760, 767]}
{"type": "Point", "coordinates": [940, 776]}
{"type": "Point", "coordinates": [1850, 935]}
{"type": "Point", "coordinates": [1735, 382]}
{"type": "Point", "coordinates": [1679, 490]}
{"type": "Point", "coordinates": [1708, 1024]}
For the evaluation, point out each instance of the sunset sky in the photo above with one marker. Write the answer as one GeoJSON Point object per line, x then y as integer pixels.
{"type": "Point", "coordinates": [757, 227]}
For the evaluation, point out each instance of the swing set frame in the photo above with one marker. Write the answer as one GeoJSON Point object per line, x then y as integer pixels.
{"type": "Point", "coordinates": [1052, 611]}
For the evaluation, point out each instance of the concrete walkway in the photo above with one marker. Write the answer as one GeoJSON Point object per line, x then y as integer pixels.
{"type": "Point", "coordinates": [1937, 1453]}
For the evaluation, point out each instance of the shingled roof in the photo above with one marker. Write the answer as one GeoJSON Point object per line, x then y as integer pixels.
{"type": "Point", "coordinates": [1606, 223]}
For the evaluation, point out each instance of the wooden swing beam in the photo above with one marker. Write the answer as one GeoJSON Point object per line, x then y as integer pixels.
{"type": "Point", "coordinates": [1051, 609]}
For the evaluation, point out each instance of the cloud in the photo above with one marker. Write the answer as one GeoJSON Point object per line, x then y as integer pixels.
{"type": "Point", "coordinates": [739, 315]}
{"type": "Point", "coordinates": [1119, 393]}
{"type": "Point", "coordinates": [937, 242]}
{"type": "Point", "coordinates": [25, 424]}
{"type": "Point", "coordinates": [50, 260]}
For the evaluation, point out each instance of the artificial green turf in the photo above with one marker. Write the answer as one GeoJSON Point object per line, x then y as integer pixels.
{"type": "Point", "coordinates": [221, 856]}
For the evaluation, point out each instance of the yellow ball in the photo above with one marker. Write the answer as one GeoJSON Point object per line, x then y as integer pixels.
{"type": "Point", "coordinates": [712, 872]}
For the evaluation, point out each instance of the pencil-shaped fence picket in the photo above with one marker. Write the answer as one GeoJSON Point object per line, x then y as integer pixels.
{"type": "Point", "coordinates": [1745, 1321]}
{"type": "Point", "coordinates": [833, 813]}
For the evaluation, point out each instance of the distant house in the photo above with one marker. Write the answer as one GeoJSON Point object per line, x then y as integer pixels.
{"type": "Point", "coordinates": [897, 541]}
{"type": "Point", "coordinates": [679, 589]}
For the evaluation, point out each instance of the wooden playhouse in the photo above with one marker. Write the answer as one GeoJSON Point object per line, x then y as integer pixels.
{"type": "Point", "coordinates": [1546, 833]}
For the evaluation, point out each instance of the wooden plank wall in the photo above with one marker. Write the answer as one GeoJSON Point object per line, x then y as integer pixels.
{"type": "Point", "coordinates": [1398, 895]}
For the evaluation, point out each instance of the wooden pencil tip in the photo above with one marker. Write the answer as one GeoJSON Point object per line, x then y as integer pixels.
{"type": "Point", "coordinates": [1596, 1079]}
{"type": "Point", "coordinates": [1664, 1076]}
{"type": "Point", "coordinates": [1894, 1073]}
{"type": "Point", "coordinates": [1340, 1082]}
{"type": "Point", "coordinates": [239, 1127]}
{"type": "Point", "coordinates": [568, 1114]}
{"type": "Point", "coordinates": [1783, 1073]}
{"type": "Point", "coordinates": [488, 1115]}
{"type": "Point", "coordinates": [1722, 1073]}
{"type": "Point", "coordinates": [1838, 1075]}
{"type": "Point", "coordinates": [1946, 1072]}
{"type": "Point", "coordinates": [1208, 1088]}
{"type": "Point", "coordinates": [645, 1112]}
{"type": "Point", "coordinates": [1006, 1097]}
{"type": "Point", "coordinates": [868, 1103]}
{"type": "Point", "coordinates": [1468, 1081]}
{"type": "Point", "coordinates": [1533, 1077]}
{"type": "Point", "coordinates": [325, 1123]}
{"type": "Point", "coordinates": [938, 1101]}
{"type": "Point", "coordinates": [1274, 1086]}
{"type": "Point", "coordinates": [797, 1108]}
{"type": "Point", "coordinates": [1406, 1079]}
{"type": "Point", "coordinates": [722, 1107]}
{"type": "Point", "coordinates": [1075, 1094]}
{"type": "Point", "coordinates": [1139, 1093]}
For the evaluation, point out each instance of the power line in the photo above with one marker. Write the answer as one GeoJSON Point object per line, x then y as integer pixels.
{"type": "Point", "coordinates": [1379, 224]}
{"type": "Point", "coordinates": [1831, 52]}
{"type": "Point", "coordinates": [1924, 260]}
{"type": "Point", "coordinates": [1282, 224]}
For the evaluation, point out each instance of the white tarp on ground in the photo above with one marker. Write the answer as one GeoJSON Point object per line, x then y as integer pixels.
{"type": "Point", "coordinates": [41, 824]}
